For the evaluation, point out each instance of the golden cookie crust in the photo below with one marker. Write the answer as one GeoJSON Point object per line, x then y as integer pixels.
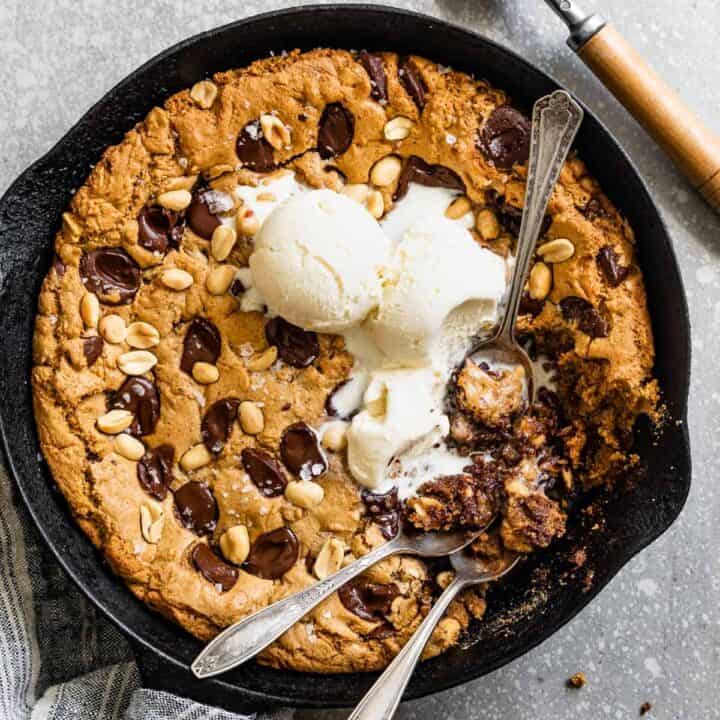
{"type": "Point", "coordinates": [184, 142]}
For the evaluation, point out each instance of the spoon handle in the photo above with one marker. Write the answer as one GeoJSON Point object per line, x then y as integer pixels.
{"type": "Point", "coordinates": [247, 638]}
{"type": "Point", "coordinates": [384, 696]}
{"type": "Point", "coordinates": [555, 122]}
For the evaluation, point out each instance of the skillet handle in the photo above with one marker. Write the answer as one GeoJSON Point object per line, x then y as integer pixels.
{"type": "Point", "coordinates": [658, 108]}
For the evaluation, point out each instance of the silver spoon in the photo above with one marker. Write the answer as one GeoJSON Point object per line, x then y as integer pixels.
{"type": "Point", "coordinates": [247, 638]}
{"type": "Point", "coordinates": [381, 701]}
{"type": "Point", "coordinates": [555, 122]}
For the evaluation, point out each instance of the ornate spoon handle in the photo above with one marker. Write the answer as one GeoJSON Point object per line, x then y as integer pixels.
{"type": "Point", "coordinates": [245, 639]}
{"type": "Point", "coordinates": [555, 122]}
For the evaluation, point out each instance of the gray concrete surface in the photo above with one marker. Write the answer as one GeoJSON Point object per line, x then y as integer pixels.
{"type": "Point", "coordinates": [654, 633]}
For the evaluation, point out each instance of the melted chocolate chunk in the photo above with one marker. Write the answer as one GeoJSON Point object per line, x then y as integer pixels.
{"type": "Point", "coordinates": [411, 80]}
{"type": "Point", "coordinates": [58, 265]}
{"type": "Point", "coordinates": [587, 317]}
{"type": "Point", "coordinates": [159, 228]}
{"type": "Point", "coordinates": [296, 347]}
{"type": "Point", "coordinates": [375, 69]}
{"type": "Point", "coordinates": [154, 471]}
{"type": "Point", "coordinates": [253, 150]}
{"type": "Point", "coordinates": [141, 398]}
{"type": "Point", "coordinates": [273, 554]}
{"type": "Point", "coordinates": [300, 451]}
{"type": "Point", "coordinates": [201, 344]}
{"type": "Point", "coordinates": [264, 471]}
{"type": "Point", "coordinates": [201, 214]}
{"type": "Point", "coordinates": [92, 348]}
{"type": "Point", "coordinates": [336, 130]}
{"type": "Point", "coordinates": [217, 423]}
{"type": "Point", "coordinates": [530, 306]}
{"type": "Point", "coordinates": [609, 264]}
{"type": "Point", "coordinates": [213, 568]}
{"type": "Point", "coordinates": [111, 274]}
{"type": "Point", "coordinates": [367, 600]}
{"type": "Point", "coordinates": [197, 507]}
{"type": "Point", "coordinates": [418, 171]}
{"type": "Point", "coordinates": [505, 137]}
{"type": "Point", "coordinates": [384, 510]}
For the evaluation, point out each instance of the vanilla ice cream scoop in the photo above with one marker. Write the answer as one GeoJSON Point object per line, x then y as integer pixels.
{"type": "Point", "coordinates": [318, 261]}
{"type": "Point", "coordinates": [400, 407]}
{"type": "Point", "coordinates": [441, 288]}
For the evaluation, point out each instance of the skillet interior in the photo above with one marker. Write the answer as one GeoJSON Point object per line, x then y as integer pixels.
{"type": "Point", "coordinates": [525, 610]}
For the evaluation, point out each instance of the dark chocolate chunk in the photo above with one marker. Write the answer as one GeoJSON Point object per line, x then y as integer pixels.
{"type": "Point", "coordinates": [412, 81]}
{"type": "Point", "coordinates": [300, 451]}
{"type": "Point", "coordinates": [197, 507]}
{"type": "Point", "coordinates": [418, 171]}
{"type": "Point", "coordinates": [140, 396]}
{"type": "Point", "coordinates": [213, 568]}
{"type": "Point", "coordinates": [201, 344]}
{"type": "Point", "coordinates": [154, 471]}
{"type": "Point", "coordinates": [264, 471]}
{"type": "Point", "coordinates": [375, 69]}
{"type": "Point", "coordinates": [331, 407]}
{"type": "Point", "coordinates": [111, 274]}
{"type": "Point", "coordinates": [593, 209]}
{"type": "Point", "coordinates": [92, 348]}
{"type": "Point", "coordinates": [530, 306]}
{"type": "Point", "coordinates": [384, 510]}
{"type": "Point", "coordinates": [609, 264]}
{"type": "Point", "coordinates": [273, 554]}
{"type": "Point", "coordinates": [370, 601]}
{"type": "Point", "coordinates": [202, 213]}
{"type": "Point", "coordinates": [236, 287]}
{"type": "Point", "coordinates": [336, 130]}
{"type": "Point", "coordinates": [159, 228]}
{"type": "Point", "coordinates": [296, 347]}
{"type": "Point", "coordinates": [253, 150]}
{"type": "Point", "coordinates": [217, 423]}
{"type": "Point", "coordinates": [382, 631]}
{"type": "Point", "coordinates": [58, 266]}
{"type": "Point", "coordinates": [505, 137]}
{"type": "Point", "coordinates": [589, 320]}
{"type": "Point", "coordinates": [510, 217]}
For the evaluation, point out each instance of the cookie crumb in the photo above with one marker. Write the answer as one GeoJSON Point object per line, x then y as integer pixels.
{"type": "Point", "coordinates": [645, 708]}
{"type": "Point", "coordinates": [577, 681]}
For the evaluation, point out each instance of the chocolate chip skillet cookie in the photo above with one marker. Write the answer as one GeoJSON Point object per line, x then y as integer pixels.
{"type": "Point", "coordinates": [251, 347]}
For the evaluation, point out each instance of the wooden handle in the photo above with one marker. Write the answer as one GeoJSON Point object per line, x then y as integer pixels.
{"type": "Point", "coordinates": [658, 108]}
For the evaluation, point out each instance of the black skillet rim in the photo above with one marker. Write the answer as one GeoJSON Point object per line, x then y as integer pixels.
{"type": "Point", "coordinates": [680, 412]}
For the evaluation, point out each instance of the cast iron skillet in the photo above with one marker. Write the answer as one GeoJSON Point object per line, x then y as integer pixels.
{"type": "Point", "coordinates": [525, 610]}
